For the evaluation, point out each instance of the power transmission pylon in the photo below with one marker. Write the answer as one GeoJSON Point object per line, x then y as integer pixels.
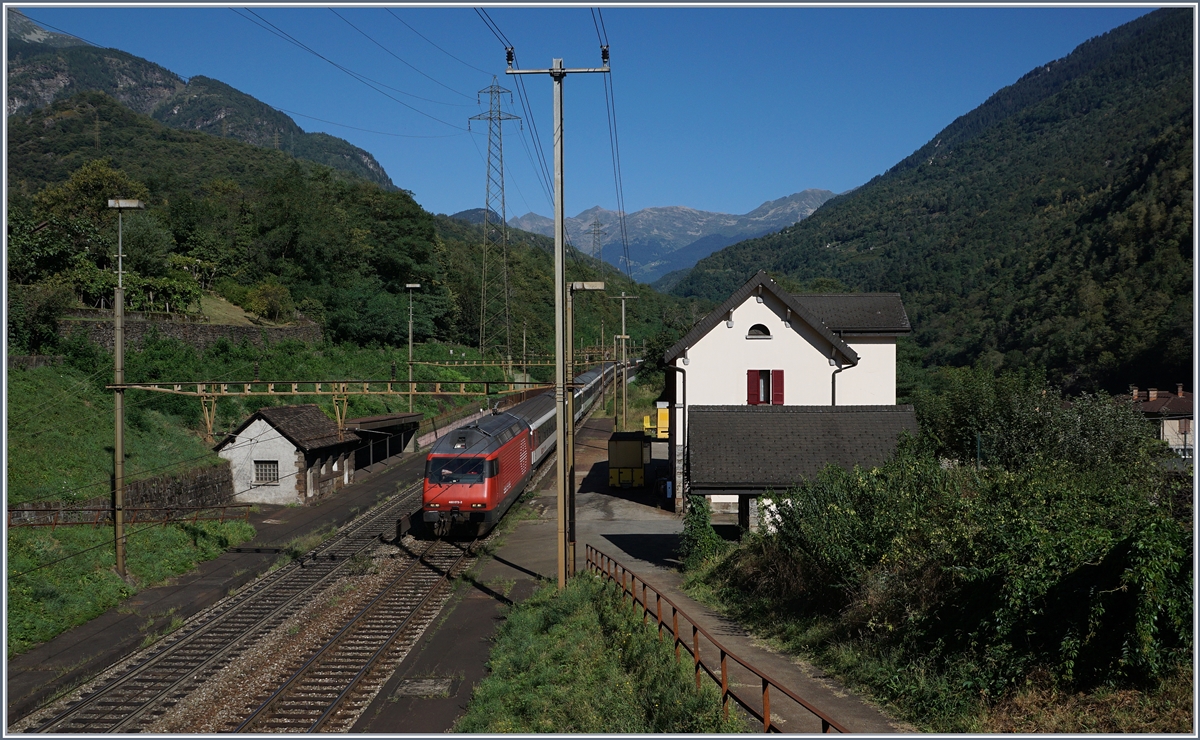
{"type": "Point", "coordinates": [597, 247]}
{"type": "Point", "coordinates": [494, 320]}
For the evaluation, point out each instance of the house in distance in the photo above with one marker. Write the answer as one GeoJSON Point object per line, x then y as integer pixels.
{"type": "Point", "coordinates": [770, 387]}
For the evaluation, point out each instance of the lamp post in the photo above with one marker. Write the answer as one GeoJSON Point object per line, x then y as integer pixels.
{"type": "Point", "coordinates": [118, 380]}
{"type": "Point", "coordinates": [411, 287]}
{"type": "Point", "coordinates": [569, 446]}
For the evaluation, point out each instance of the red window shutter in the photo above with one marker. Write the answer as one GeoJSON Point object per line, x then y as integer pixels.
{"type": "Point", "coordinates": [776, 387]}
{"type": "Point", "coordinates": [752, 387]}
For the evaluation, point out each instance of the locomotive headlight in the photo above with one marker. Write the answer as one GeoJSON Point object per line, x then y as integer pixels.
{"type": "Point", "coordinates": [476, 506]}
{"type": "Point", "coordinates": [434, 506]}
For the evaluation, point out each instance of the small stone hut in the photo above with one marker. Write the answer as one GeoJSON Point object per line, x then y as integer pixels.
{"type": "Point", "coordinates": [288, 455]}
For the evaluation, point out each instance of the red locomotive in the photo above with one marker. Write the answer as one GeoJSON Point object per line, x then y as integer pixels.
{"type": "Point", "coordinates": [473, 474]}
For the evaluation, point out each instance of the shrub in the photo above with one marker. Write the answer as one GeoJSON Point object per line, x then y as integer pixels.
{"type": "Point", "coordinates": [699, 541]}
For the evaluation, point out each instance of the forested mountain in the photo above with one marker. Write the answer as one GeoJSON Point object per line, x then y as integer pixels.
{"type": "Point", "coordinates": [45, 67]}
{"type": "Point", "coordinates": [262, 229]}
{"type": "Point", "coordinates": [1050, 226]}
{"type": "Point", "coordinates": [670, 238]}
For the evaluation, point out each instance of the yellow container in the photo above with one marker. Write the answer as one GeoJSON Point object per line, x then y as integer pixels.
{"type": "Point", "coordinates": [628, 454]}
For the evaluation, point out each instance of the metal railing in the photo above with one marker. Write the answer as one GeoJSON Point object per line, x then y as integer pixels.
{"type": "Point", "coordinates": [94, 516]}
{"type": "Point", "coordinates": [629, 581]}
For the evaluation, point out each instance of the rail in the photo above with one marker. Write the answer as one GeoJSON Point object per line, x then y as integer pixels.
{"type": "Point", "coordinates": [18, 517]}
{"type": "Point", "coordinates": [610, 569]}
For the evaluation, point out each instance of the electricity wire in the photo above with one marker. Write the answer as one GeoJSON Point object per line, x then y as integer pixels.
{"type": "Point", "coordinates": [55, 28]}
{"type": "Point", "coordinates": [361, 78]}
{"type": "Point", "coordinates": [367, 130]}
{"type": "Point", "coordinates": [397, 58]}
{"type": "Point", "coordinates": [472, 66]}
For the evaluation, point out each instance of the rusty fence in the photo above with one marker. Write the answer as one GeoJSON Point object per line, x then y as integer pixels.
{"type": "Point", "coordinates": [95, 516]}
{"type": "Point", "coordinates": [630, 582]}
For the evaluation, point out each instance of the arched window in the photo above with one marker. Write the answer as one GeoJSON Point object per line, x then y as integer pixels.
{"type": "Point", "coordinates": [759, 331]}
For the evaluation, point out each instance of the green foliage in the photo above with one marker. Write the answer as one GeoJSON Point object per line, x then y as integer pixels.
{"type": "Point", "coordinates": [699, 542]}
{"type": "Point", "coordinates": [33, 313]}
{"type": "Point", "coordinates": [1052, 226]}
{"type": "Point", "coordinates": [941, 585]}
{"type": "Point", "coordinates": [580, 660]}
{"type": "Point", "coordinates": [271, 300]}
{"type": "Point", "coordinates": [56, 597]}
{"type": "Point", "coordinates": [1015, 420]}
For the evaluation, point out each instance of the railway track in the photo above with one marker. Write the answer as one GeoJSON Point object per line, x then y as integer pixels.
{"type": "Point", "coordinates": [145, 687]}
{"type": "Point", "coordinates": [331, 689]}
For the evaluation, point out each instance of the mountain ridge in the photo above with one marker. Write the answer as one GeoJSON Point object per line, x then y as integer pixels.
{"type": "Point", "coordinates": [665, 239]}
{"type": "Point", "coordinates": [44, 67]}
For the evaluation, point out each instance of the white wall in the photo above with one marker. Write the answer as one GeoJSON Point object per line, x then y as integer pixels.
{"type": "Point", "coordinates": [717, 365]}
{"type": "Point", "coordinates": [872, 382]}
{"type": "Point", "coordinates": [261, 441]}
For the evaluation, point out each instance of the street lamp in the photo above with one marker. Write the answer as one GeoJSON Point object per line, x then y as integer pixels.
{"type": "Point", "coordinates": [121, 204]}
{"type": "Point", "coordinates": [568, 450]}
{"type": "Point", "coordinates": [411, 287]}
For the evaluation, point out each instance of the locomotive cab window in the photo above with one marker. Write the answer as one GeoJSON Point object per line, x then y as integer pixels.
{"type": "Point", "coordinates": [441, 470]}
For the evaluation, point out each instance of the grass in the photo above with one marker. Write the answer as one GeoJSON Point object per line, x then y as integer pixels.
{"type": "Point", "coordinates": [60, 440]}
{"type": "Point", "coordinates": [45, 602]}
{"type": "Point", "coordinates": [582, 661]}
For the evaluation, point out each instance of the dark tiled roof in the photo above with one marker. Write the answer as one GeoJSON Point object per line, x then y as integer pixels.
{"type": "Point", "coordinates": [859, 312]}
{"type": "Point", "coordinates": [305, 426]}
{"type": "Point", "coordinates": [752, 448]}
{"type": "Point", "coordinates": [717, 315]}
{"type": "Point", "coordinates": [1166, 404]}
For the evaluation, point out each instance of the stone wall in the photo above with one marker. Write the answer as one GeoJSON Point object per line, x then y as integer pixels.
{"type": "Point", "coordinates": [28, 362]}
{"type": "Point", "coordinates": [211, 486]}
{"type": "Point", "coordinates": [197, 335]}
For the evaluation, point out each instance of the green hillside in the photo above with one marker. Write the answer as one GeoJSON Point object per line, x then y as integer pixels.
{"type": "Point", "coordinates": [41, 73]}
{"type": "Point", "coordinates": [266, 231]}
{"type": "Point", "coordinates": [1050, 226]}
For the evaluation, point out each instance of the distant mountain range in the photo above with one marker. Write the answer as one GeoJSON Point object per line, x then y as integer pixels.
{"type": "Point", "coordinates": [671, 239]}
{"type": "Point", "coordinates": [44, 66]}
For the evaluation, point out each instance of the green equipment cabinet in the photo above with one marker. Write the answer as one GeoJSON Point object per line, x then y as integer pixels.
{"type": "Point", "coordinates": [628, 456]}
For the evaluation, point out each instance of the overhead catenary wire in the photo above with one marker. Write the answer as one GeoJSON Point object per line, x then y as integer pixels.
{"type": "Point", "coordinates": [610, 101]}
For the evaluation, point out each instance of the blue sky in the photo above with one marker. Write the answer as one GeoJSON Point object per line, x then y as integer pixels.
{"type": "Point", "coordinates": [719, 109]}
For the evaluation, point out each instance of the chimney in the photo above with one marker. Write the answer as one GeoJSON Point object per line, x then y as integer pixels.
{"type": "Point", "coordinates": [1153, 394]}
{"type": "Point", "coordinates": [1133, 393]}
{"type": "Point", "coordinates": [1179, 389]}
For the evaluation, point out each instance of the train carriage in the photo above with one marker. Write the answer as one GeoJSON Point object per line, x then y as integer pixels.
{"type": "Point", "coordinates": [473, 474]}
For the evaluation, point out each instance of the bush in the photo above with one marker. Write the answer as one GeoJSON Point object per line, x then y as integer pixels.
{"type": "Point", "coordinates": [939, 576]}
{"type": "Point", "coordinates": [580, 660]}
{"type": "Point", "coordinates": [699, 542]}
{"type": "Point", "coordinates": [271, 300]}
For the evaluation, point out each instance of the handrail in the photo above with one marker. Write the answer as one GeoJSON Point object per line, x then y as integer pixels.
{"type": "Point", "coordinates": [607, 567]}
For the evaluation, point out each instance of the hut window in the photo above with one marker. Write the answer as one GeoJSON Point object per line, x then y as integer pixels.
{"type": "Point", "coordinates": [759, 331]}
{"type": "Point", "coordinates": [266, 471]}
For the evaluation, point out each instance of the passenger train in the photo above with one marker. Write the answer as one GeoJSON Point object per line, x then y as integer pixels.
{"type": "Point", "coordinates": [474, 473]}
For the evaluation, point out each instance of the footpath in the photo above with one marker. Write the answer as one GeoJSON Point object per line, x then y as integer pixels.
{"type": "Point", "coordinates": [430, 689]}
{"type": "Point", "coordinates": [82, 652]}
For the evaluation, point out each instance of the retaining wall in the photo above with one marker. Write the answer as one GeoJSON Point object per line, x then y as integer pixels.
{"type": "Point", "coordinates": [199, 336]}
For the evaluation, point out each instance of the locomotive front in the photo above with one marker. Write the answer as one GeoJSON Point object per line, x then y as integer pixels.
{"type": "Point", "coordinates": [473, 473]}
